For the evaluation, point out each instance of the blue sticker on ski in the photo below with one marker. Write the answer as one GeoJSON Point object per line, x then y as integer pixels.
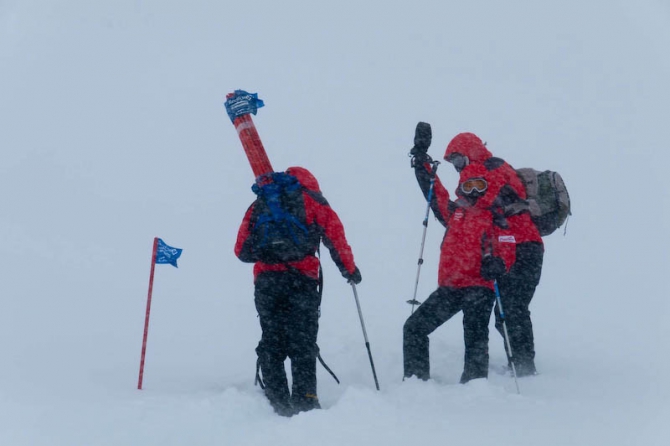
{"type": "Point", "coordinates": [242, 103]}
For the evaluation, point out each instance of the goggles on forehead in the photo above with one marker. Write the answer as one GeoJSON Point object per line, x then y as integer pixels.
{"type": "Point", "coordinates": [459, 161]}
{"type": "Point", "coordinates": [474, 185]}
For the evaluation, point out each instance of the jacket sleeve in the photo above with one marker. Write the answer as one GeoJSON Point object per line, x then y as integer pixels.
{"type": "Point", "coordinates": [440, 203]}
{"type": "Point", "coordinates": [243, 245]}
{"type": "Point", "coordinates": [332, 231]}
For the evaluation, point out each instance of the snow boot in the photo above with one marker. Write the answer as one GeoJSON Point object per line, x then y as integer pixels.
{"type": "Point", "coordinates": [304, 403]}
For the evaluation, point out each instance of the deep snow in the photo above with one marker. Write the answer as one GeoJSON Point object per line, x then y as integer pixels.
{"type": "Point", "coordinates": [112, 132]}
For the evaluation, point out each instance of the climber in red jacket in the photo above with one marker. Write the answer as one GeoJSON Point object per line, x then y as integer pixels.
{"type": "Point", "coordinates": [287, 280]}
{"type": "Point", "coordinates": [466, 151]}
{"type": "Point", "coordinates": [470, 259]}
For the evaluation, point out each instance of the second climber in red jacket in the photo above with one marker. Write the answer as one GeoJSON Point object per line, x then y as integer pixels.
{"type": "Point", "coordinates": [469, 261]}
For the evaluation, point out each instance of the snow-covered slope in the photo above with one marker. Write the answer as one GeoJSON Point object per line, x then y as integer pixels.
{"type": "Point", "coordinates": [112, 132]}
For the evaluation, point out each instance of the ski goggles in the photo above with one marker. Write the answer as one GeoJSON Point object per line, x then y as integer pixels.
{"type": "Point", "coordinates": [474, 185]}
{"type": "Point", "coordinates": [459, 161]}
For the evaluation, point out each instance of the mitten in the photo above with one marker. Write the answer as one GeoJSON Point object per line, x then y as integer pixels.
{"type": "Point", "coordinates": [354, 277]}
{"type": "Point", "coordinates": [492, 268]}
{"type": "Point", "coordinates": [423, 135]}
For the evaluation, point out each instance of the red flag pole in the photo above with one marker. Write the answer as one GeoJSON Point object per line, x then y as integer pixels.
{"type": "Point", "coordinates": [146, 319]}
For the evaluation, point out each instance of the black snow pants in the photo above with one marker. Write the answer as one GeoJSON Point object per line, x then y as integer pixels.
{"type": "Point", "coordinates": [476, 304]}
{"type": "Point", "coordinates": [516, 291]}
{"type": "Point", "coordinates": [288, 308]}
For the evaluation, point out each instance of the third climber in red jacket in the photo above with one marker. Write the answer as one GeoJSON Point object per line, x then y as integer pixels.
{"type": "Point", "coordinates": [466, 151]}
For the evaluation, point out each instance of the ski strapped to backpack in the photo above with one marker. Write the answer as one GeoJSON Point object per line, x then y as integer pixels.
{"type": "Point", "coordinates": [240, 105]}
{"type": "Point", "coordinates": [547, 199]}
{"type": "Point", "coordinates": [280, 233]}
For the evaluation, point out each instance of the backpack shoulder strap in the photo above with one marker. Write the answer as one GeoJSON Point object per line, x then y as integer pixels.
{"type": "Point", "coordinates": [316, 196]}
{"type": "Point", "coordinates": [493, 163]}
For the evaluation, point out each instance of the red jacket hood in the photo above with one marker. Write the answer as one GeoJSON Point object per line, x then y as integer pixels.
{"type": "Point", "coordinates": [305, 177]}
{"type": "Point", "coordinates": [470, 145]}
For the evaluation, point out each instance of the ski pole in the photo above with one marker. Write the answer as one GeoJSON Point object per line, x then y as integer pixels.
{"type": "Point", "coordinates": [414, 302]}
{"type": "Point", "coordinates": [365, 334]}
{"type": "Point", "coordinates": [509, 346]}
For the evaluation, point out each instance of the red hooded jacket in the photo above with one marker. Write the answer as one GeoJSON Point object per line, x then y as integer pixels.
{"type": "Point", "coordinates": [504, 187]}
{"type": "Point", "coordinates": [469, 236]}
{"type": "Point", "coordinates": [320, 217]}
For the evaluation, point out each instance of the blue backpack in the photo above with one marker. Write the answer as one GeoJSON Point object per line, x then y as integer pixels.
{"type": "Point", "coordinates": [280, 233]}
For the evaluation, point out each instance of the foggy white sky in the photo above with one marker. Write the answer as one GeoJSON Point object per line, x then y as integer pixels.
{"type": "Point", "coordinates": [113, 131]}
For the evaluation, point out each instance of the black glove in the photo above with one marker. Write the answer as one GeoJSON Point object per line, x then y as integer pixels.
{"type": "Point", "coordinates": [492, 268]}
{"type": "Point", "coordinates": [421, 158]}
{"type": "Point", "coordinates": [354, 277]}
{"type": "Point", "coordinates": [423, 135]}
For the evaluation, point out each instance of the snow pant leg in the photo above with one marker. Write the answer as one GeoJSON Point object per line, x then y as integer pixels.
{"type": "Point", "coordinates": [271, 299]}
{"type": "Point", "coordinates": [516, 292]}
{"type": "Point", "coordinates": [477, 305]}
{"type": "Point", "coordinates": [441, 305]}
{"type": "Point", "coordinates": [302, 348]}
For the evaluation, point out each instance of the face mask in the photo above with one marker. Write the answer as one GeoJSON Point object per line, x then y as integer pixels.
{"type": "Point", "coordinates": [459, 161]}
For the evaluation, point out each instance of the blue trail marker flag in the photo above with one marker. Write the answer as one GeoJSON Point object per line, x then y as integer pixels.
{"type": "Point", "coordinates": [161, 253]}
{"type": "Point", "coordinates": [167, 254]}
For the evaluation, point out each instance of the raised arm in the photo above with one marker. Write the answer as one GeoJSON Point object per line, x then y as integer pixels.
{"type": "Point", "coordinates": [440, 203]}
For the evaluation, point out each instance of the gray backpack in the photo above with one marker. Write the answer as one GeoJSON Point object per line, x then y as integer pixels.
{"type": "Point", "coordinates": [547, 199]}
